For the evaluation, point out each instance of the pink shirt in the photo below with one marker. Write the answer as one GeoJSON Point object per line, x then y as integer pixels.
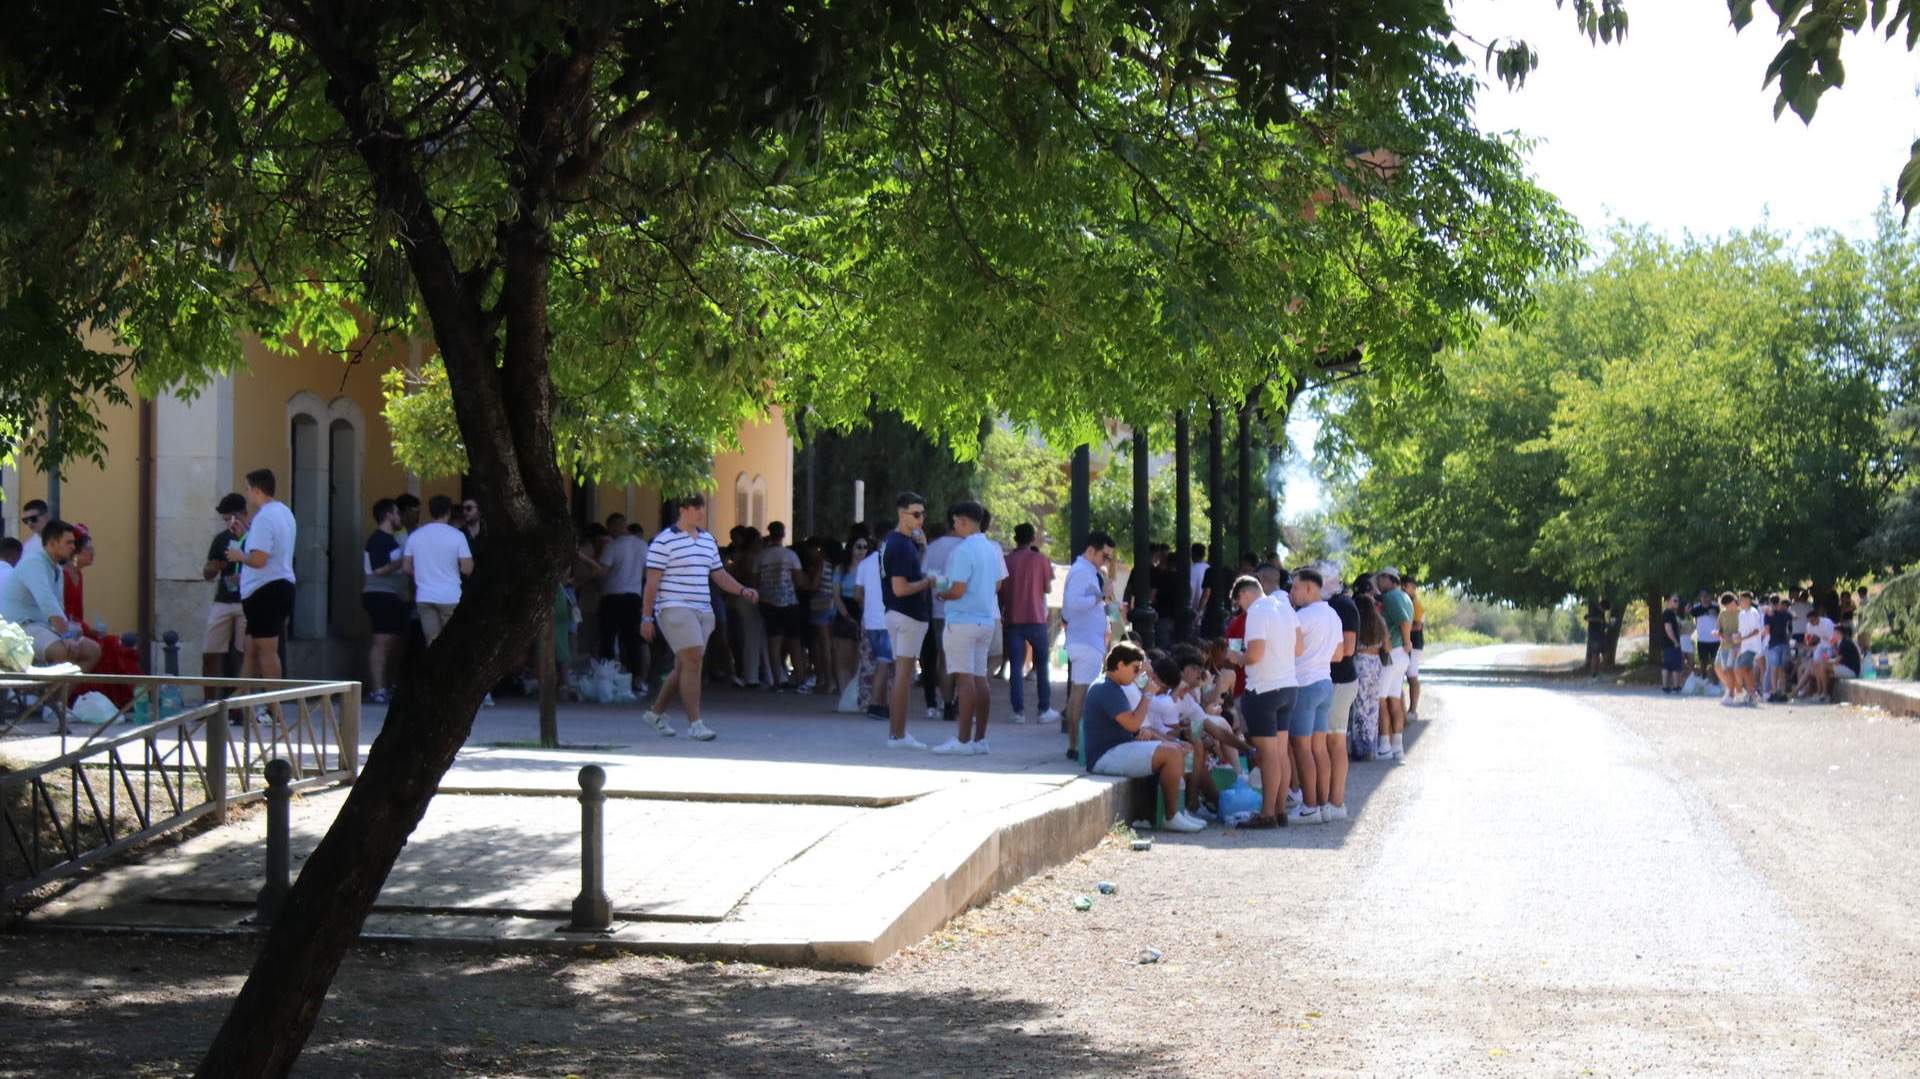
{"type": "Point", "coordinates": [1029, 575]}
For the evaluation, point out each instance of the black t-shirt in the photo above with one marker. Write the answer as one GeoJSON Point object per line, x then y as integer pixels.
{"type": "Point", "coordinates": [900, 557]}
{"type": "Point", "coordinates": [226, 587]}
{"type": "Point", "coordinates": [1779, 628]}
{"type": "Point", "coordinates": [1848, 655]}
{"type": "Point", "coordinates": [1670, 620]}
{"type": "Point", "coordinates": [1166, 588]}
{"type": "Point", "coordinates": [1343, 606]}
{"type": "Point", "coordinates": [381, 549]}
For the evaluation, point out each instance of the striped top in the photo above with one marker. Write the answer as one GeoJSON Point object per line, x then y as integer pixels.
{"type": "Point", "coordinates": [686, 562]}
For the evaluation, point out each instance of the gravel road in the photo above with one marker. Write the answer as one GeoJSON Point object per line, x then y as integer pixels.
{"type": "Point", "coordinates": [1559, 881]}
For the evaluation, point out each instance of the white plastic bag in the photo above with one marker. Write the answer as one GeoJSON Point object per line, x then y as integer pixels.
{"type": "Point", "coordinates": [849, 697]}
{"type": "Point", "coordinates": [93, 708]}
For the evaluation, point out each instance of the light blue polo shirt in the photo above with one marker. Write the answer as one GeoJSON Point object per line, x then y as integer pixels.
{"type": "Point", "coordinates": [977, 562]}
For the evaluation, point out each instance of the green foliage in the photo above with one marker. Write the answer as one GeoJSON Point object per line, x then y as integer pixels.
{"type": "Point", "coordinates": [1110, 509]}
{"type": "Point", "coordinates": [1679, 414]}
{"type": "Point", "coordinates": [1021, 480]}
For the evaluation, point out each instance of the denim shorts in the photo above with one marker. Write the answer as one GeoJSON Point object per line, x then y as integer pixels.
{"type": "Point", "coordinates": [1776, 655]}
{"type": "Point", "coordinates": [880, 645]}
{"type": "Point", "coordinates": [1308, 716]}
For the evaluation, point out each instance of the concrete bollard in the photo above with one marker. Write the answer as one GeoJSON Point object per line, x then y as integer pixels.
{"type": "Point", "coordinates": [279, 853]}
{"type": "Point", "coordinates": [170, 645]}
{"type": "Point", "coordinates": [591, 910]}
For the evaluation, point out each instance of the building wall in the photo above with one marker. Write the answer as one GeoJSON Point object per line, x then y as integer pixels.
{"type": "Point", "coordinates": [765, 463]}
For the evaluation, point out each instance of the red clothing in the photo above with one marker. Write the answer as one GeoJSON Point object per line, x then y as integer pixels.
{"type": "Point", "coordinates": [1029, 576]}
{"type": "Point", "coordinates": [115, 656]}
{"type": "Point", "coordinates": [1237, 631]}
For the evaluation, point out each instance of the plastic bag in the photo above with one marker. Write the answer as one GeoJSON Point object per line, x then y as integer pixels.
{"type": "Point", "coordinates": [849, 697]}
{"type": "Point", "coordinates": [16, 648]}
{"type": "Point", "coordinates": [1239, 803]}
{"type": "Point", "coordinates": [93, 708]}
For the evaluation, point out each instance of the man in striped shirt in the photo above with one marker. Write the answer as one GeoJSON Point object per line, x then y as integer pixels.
{"type": "Point", "coordinates": [680, 562]}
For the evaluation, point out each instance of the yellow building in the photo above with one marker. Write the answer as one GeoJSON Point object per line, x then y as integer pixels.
{"type": "Point", "coordinates": [316, 422]}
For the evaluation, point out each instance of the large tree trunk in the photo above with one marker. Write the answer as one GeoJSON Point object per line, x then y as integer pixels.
{"type": "Point", "coordinates": [503, 399]}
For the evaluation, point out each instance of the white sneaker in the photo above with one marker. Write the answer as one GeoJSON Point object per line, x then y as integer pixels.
{"type": "Point", "coordinates": [1384, 753]}
{"type": "Point", "coordinates": [979, 747]}
{"type": "Point", "coordinates": [1399, 753]}
{"type": "Point", "coordinates": [1017, 718]}
{"type": "Point", "coordinates": [954, 747]}
{"type": "Point", "coordinates": [906, 741]}
{"type": "Point", "coordinates": [1304, 814]}
{"type": "Point", "coordinates": [1294, 801]}
{"type": "Point", "coordinates": [487, 701]}
{"type": "Point", "coordinates": [1185, 822]}
{"type": "Point", "coordinates": [1330, 812]}
{"type": "Point", "coordinates": [700, 732]}
{"type": "Point", "coordinates": [659, 723]}
{"type": "Point", "coordinates": [1051, 715]}
{"type": "Point", "coordinates": [933, 712]}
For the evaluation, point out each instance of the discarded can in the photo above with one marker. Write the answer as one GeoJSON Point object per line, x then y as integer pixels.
{"type": "Point", "coordinates": [1107, 887]}
{"type": "Point", "coordinates": [1082, 904]}
{"type": "Point", "coordinates": [1151, 955]}
{"type": "Point", "coordinates": [1143, 843]}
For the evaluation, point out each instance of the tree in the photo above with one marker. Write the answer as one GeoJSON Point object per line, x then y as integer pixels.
{"type": "Point", "coordinates": [602, 238]}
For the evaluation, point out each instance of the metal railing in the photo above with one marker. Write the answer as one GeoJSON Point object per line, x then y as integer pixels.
{"type": "Point", "coordinates": [127, 782]}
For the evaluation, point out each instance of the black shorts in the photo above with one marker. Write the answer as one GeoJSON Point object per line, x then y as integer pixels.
{"type": "Point", "coordinates": [268, 609]}
{"type": "Point", "coordinates": [386, 610]}
{"type": "Point", "coordinates": [784, 621]}
{"type": "Point", "coordinates": [1266, 713]}
{"type": "Point", "coordinates": [1419, 639]}
{"type": "Point", "coordinates": [1706, 650]}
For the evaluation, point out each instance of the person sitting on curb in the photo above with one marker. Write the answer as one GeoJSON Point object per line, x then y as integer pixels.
{"type": "Point", "coordinates": [1112, 715]}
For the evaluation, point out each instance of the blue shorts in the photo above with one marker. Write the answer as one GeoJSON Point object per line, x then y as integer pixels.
{"type": "Point", "coordinates": [1672, 660]}
{"type": "Point", "coordinates": [1308, 716]}
{"type": "Point", "coordinates": [880, 645]}
{"type": "Point", "coordinates": [1776, 655]}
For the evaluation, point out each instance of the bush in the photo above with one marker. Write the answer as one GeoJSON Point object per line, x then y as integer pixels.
{"type": "Point", "coordinates": [1460, 635]}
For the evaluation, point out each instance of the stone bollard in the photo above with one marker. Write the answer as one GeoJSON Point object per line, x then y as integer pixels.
{"type": "Point", "coordinates": [279, 854]}
{"type": "Point", "coordinates": [170, 645]}
{"type": "Point", "coordinates": [592, 913]}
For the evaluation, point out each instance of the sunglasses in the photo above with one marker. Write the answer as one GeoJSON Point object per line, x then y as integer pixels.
{"type": "Point", "coordinates": [30, 518]}
{"type": "Point", "coordinates": [916, 514]}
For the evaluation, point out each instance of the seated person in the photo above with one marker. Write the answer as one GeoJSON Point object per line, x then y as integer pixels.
{"type": "Point", "coordinates": [32, 600]}
{"type": "Point", "coordinates": [1225, 739]}
{"type": "Point", "coordinates": [1842, 665]}
{"type": "Point", "coordinates": [1112, 717]}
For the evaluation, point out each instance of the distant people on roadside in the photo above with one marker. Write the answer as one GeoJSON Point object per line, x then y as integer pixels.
{"type": "Point", "coordinates": [906, 589]}
{"type": "Point", "coordinates": [972, 576]}
{"type": "Point", "coordinates": [786, 621]}
{"type": "Point", "coordinates": [1706, 634]}
{"type": "Point", "coordinates": [1308, 720]}
{"type": "Point", "coordinates": [682, 565]}
{"type": "Point", "coordinates": [226, 629]}
{"type": "Point", "coordinates": [935, 681]}
{"type": "Point", "coordinates": [438, 557]}
{"type": "Point", "coordinates": [1751, 634]}
{"type": "Point", "coordinates": [1199, 585]}
{"type": "Point", "coordinates": [844, 586]}
{"type": "Point", "coordinates": [33, 599]}
{"type": "Point", "coordinates": [623, 562]}
{"type": "Point", "coordinates": [1779, 646]}
{"type": "Point", "coordinates": [1673, 663]}
{"type": "Point", "coordinates": [1417, 646]}
{"type": "Point", "coordinates": [1369, 659]}
{"type": "Point", "coordinates": [265, 556]}
{"type": "Point", "coordinates": [1083, 614]}
{"type": "Point", "coordinates": [1599, 624]}
{"type": "Point", "coordinates": [876, 643]}
{"type": "Point", "coordinates": [1024, 612]}
{"type": "Point", "coordinates": [1272, 647]}
{"type": "Point", "coordinates": [1346, 687]}
{"type": "Point", "coordinates": [1843, 663]}
{"type": "Point", "coordinates": [383, 593]}
{"type": "Point", "coordinates": [1397, 609]}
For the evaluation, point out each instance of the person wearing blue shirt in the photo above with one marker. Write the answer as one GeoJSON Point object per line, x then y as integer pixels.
{"type": "Point", "coordinates": [973, 573]}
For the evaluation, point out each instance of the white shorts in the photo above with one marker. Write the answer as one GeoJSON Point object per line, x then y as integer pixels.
{"type": "Point", "coordinates": [1413, 669]}
{"type": "Point", "coordinates": [1393, 674]}
{"type": "Point", "coordinates": [966, 645]}
{"type": "Point", "coordinates": [683, 627]}
{"type": "Point", "coordinates": [43, 638]}
{"type": "Point", "coordinates": [226, 629]}
{"type": "Point", "coordinates": [906, 635]}
{"type": "Point", "coordinates": [1342, 707]}
{"type": "Point", "coordinates": [1083, 664]}
{"type": "Point", "coordinates": [1133, 760]}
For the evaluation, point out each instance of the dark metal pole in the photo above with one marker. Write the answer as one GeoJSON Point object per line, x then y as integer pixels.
{"type": "Point", "coordinates": [592, 912]}
{"type": "Point", "coordinates": [170, 647]}
{"type": "Point", "coordinates": [1079, 509]}
{"type": "Point", "coordinates": [1214, 620]}
{"type": "Point", "coordinates": [1243, 519]}
{"type": "Point", "coordinates": [1141, 577]}
{"type": "Point", "coordinates": [266, 906]}
{"type": "Point", "coordinates": [1183, 526]}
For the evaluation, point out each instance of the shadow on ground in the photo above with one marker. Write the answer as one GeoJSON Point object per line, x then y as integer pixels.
{"type": "Point", "coordinates": [102, 1006]}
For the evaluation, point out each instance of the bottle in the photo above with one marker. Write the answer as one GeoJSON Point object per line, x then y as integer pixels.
{"type": "Point", "coordinates": [171, 702]}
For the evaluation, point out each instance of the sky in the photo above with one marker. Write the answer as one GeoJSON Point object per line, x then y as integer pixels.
{"type": "Point", "coordinates": [1673, 128]}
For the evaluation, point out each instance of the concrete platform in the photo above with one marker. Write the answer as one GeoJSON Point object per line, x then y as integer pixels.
{"type": "Point", "coordinates": [1897, 697]}
{"type": "Point", "coordinates": [795, 837]}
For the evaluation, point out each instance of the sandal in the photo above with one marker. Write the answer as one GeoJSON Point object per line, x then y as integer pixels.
{"type": "Point", "coordinates": [1253, 823]}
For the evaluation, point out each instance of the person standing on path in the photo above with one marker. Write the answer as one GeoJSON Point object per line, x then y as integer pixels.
{"type": "Point", "coordinates": [1308, 721]}
{"type": "Point", "coordinates": [383, 595]}
{"type": "Point", "coordinates": [1363, 725]}
{"type": "Point", "coordinates": [678, 605]}
{"type": "Point", "coordinates": [1706, 633]}
{"type": "Point", "coordinates": [869, 593]}
{"type": "Point", "coordinates": [909, 609]}
{"type": "Point", "coordinates": [935, 680]}
{"type": "Point", "coordinates": [1199, 585]}
{"type": "Point", "coordinates": [780, 609]}
{"type": "Point", "coordinates": [1273, 644]}
{"type": "Point", "coordinates": [437, 557]}
{"type": "Point", "coordinates": [265, 555]}
{"type": "Point", "coordinates": [1673, 662]}
{"type": "Point", "coordinates": [1416, 646]}
{"type": "Point", "coordinates": [1083, 615]}
{"type": "Point", "coordinates": [1346, 686]}
{"type": "Point", "coordinates": [1398, 610]}
{"type": "Point", "coordinates": [973, 574]}
{"type": "Point", "coordinates": [1029, 576]}
{"type": "Point", "coordinates": [624, 562]}
{"type": "Point", "coordinates": [226, 630]}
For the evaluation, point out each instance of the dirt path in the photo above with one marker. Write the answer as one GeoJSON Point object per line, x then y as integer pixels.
{"type": "Point", "coordinates": [1559, 882]}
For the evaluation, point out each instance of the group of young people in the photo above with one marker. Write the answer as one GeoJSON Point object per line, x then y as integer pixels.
{"type": "Point", "coordinates": [1778, 648]}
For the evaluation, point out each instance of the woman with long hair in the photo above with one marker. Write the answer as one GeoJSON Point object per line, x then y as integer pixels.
{"type": "Point", "coordinates": [845, 627]}
{"type": "Point", "coordinates": [115, 656]}
{"type": "Point", "coordinates": [1363, 722]}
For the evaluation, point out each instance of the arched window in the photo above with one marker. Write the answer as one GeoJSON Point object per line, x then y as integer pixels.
{"type": "Point", "coordinates": [743, 500]}
{"type": "Point", "coordinates": [759, 502]}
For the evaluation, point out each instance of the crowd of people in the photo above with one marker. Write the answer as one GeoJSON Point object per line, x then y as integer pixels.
{"type": "Point", "coordinates": [1777, 647]}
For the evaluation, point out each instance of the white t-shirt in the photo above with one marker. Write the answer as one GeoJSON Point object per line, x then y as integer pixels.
{"type": "Point", "coordinates": [1320, 624]}
{"type": "Point", "coordinates": [271, 531]}
{"type": "Point", "coordinates": [1196, 580]}
{"type": "Point", "coordinates": [6, 571]}
{"type": "Point", "coordinates": [1706, 627]}
{"type": "Point", "coordinates": [873, 608]}
{"type": "Point", "coordinates": [626, 561]}
{"type": "Point", "coordinates": [1799, 611]}
{"type": "Point", "coordinates": [1274, 622]}
{"type": "Point", "coordinates": [936, 562]}
{"type": "Point", "coordinates": [436, 549]}
{"type": "Point", "coordinates": [1821, 629]}
{"type": "Point", "coordinates": [1753, 629]}
{"type": "Point", "coordinates": [686, 561]}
